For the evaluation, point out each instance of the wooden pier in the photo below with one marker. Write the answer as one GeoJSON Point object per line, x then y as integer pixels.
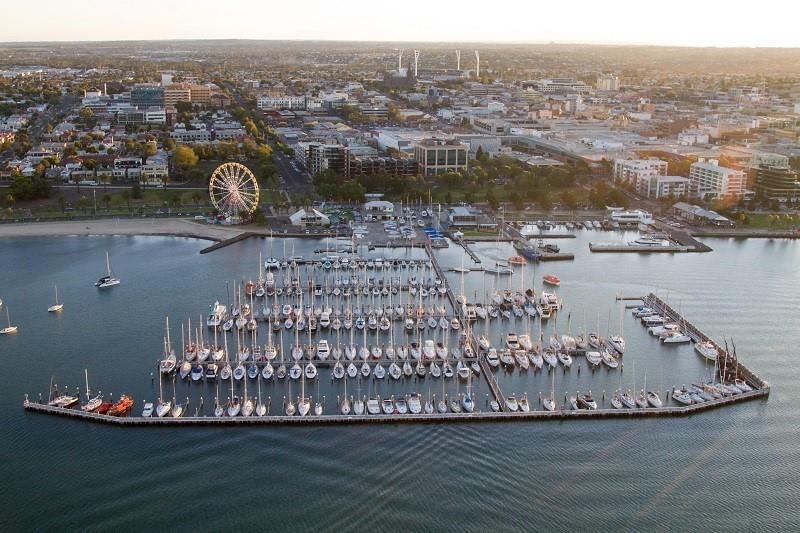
{"type": "Point", "coordinates": [637, 249]}
{"type": "Point", "coordinates": [479, 416]}
{"type": "Point", "coordinates": [228, 242]}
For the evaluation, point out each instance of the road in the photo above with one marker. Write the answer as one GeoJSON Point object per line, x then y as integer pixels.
{"type": "Point", "coordinates": [296, 183]}
{"type": "Point", "coordinates": [38, 126]}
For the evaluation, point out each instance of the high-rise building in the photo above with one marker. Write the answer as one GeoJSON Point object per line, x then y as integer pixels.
{"type": "Point", "coordinates": [144, 96]}
{"type": "Point", "coordinates": [178, 92]}
{"type": "Point", "coordinates": [438, 156]}
{"type": "Point", "coordinates": [777, 182]}
{"type": "Point", "coordinates": [323, 157]}
{"type": "Point", "coordinates": [631, 170]}
{"type": "Point", "coordinates": [712, 181]}
{"type": "Point", "coordinates": [608, 82]}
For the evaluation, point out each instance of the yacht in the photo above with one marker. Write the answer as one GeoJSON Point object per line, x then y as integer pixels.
{"type": "Point", "coordinates": [586, 401]}
{"type": "Point", "coordinates": [707, 349]}
{"type": "Point", "coordinates": [323, 350]}
{"type": "Point", "coordinates": [511, 341]}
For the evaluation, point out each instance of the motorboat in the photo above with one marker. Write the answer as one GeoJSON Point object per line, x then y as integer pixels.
{"type": "Point", "coordinates": [512, 404]}
{"type": "Point", "coordinates": [676, 338]}
{"type": "Point", "coordinates": [586, 401]}
{"type": "Point", "coordinates": [594, 358]}
{"type": "Point", "coordinates": [323, 350]}
{"type": "Point", "coordinates": [512, 342]}
{"type": "Point", "coordinates": [550, 279]}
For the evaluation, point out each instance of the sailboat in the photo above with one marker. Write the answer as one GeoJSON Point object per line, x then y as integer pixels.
{"type": "Point", "coordinates": [168, 363]}
{"type": "Point", "coordinates": [108, 280]}
{"type": "Point", "coordinates": [303, 403]}
{"type": "Point", "coordinates": [177, 408]}
{"type": "Point", "coordinates": [8, 330]}
{"type": "Point", "coordinates": [549, 403]}
{"type": "Point", "coordinates": [618, 341]}
{"type": "Point", "coordinates": [56, 306]}
{"type": "Point", "coordinates": [91, 403]}
{"type": "Point", "coordinates": [163, 407]}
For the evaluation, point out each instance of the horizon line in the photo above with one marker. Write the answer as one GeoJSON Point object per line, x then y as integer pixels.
{"type": "Point", "coordinates": [370, 41]}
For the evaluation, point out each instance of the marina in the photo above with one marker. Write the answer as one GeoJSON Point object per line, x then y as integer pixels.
{"type": "Point", "coordinates": [404, 335]}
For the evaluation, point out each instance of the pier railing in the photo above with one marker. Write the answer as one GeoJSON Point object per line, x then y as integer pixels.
{"type": "Point", "coordinates": [725, 359]}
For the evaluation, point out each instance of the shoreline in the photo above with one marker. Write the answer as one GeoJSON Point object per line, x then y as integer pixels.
{"type": "Point", "coordinates": [172, 227]}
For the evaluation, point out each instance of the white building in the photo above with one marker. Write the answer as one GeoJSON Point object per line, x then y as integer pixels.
{"type": "Point", "coordinates": [379, 209]}
{"type": "Point", "coordinates": [710, 180]}
{"type": "Point", "coordinates": [282, 102]}
{"type": "Point", "coordinates": [662, 186]}
{"type": "Point", "coordinates": [632, 170]}
{"type": "Point", "coordinates": [310, 218]}
{"type": "Point", "coordinates": [607, 82]}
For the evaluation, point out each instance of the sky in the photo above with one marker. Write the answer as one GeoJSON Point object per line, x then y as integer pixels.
{"type": "Point", "coordinates": [771, 23]}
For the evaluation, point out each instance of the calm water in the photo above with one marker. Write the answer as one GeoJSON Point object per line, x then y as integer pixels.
{"type": "Point", "coordinates": [735, 468]}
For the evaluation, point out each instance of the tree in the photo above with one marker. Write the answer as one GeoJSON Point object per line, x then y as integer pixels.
{"type": "Point", "coordinates": [10, 200]}
{"type": "Point", "coordinates": [569, 200]}
{"type": "Point", "coordinates": [184, 157]}
{"type": "Point", "coordinates": [491, 199]}
{"type": "Point", "coordinates": [105, 179]}
{"type": "Point", "coordinates": [126, 195]}
{"type": "Point", "coordinates": [169, 144]}
{"type": "Point", "coordinates": [83, 203]}
{"type": "Point", "coordinates": [196, 197]}
{"type": "Point", "coordinates": [136, 192]}
{"type": "Point", "coordinates": [62, 203]}
{"type": "Point", "coordinates": [106, 200]}
{"type": "Point", "coordinates": [86, 114]}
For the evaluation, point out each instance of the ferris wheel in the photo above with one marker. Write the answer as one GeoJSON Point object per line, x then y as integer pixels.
{"type": "Point", "coordinates": [233, 189]}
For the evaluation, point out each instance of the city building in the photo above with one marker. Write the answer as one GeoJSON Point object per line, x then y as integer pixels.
{"type": "Point", "coordinates": [632, 170]}
{"type": "Point", "coordinates": [289, 102]}
{"type": "Point", "coordinates": [195, 135]}
{"type": "Point", "coordinates": [144, 96]}
{"type": "Point", "coordinates": [711, 181]}
{"type": "Point", "coordinates": [662, 186]}
{"type": "Point", "coordinates": [369, 165]}
{"type": "Point", "coordinates": [179, 92]}
{"type": "Point", "coordinates": [438, 156]}
{"type": "Point", "coordinates": [557, 86]}
{"type": "Point", "coordinates": [490, 126]}
{"type": "Point", "coordinates": [200, 94]}
{"type": "Point", "coordinates": [776, 182]}
{"type": "Point", "coordinates": [323, 157]}
{"type": "Point", "coordinates": [608, 82]}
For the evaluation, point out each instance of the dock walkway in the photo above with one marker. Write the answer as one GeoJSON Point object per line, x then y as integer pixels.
{"type": "Point", "coordinates": [479, 416]}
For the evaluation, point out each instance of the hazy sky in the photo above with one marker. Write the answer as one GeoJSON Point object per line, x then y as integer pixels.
{"type": "Point", "coordinates": [669, 22]}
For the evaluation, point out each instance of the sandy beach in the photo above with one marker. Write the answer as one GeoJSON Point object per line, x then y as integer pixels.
{"type": "Point", "coordinates": [121, 226]}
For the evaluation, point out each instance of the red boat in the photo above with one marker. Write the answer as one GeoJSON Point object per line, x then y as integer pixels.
{"type": "Point", "coordinates": [551, 280]}
{"type": "Point", "coordinates": [104, 407]}
{"type": "Point", "coordinates": [121, 407]}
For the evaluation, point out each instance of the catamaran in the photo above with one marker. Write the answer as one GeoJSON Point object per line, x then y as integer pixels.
{"type": "Point", "coordinates": [108, 280]}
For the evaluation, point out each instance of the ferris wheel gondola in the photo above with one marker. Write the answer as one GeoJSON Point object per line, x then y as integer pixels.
{"type": "Point", "coordinates": [233, 190]}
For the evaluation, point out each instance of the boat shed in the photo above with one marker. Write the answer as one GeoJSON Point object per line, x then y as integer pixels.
{"type": "Point", "coordinates": [310, 218]}
{"type": "Point", "coordinates": [379, 209]}
{"type": "Point", "coordinates": [697, 214]}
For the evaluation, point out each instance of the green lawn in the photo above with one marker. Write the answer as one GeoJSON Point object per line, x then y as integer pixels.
{"type": "Point", "coordinates": [762, 221]}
